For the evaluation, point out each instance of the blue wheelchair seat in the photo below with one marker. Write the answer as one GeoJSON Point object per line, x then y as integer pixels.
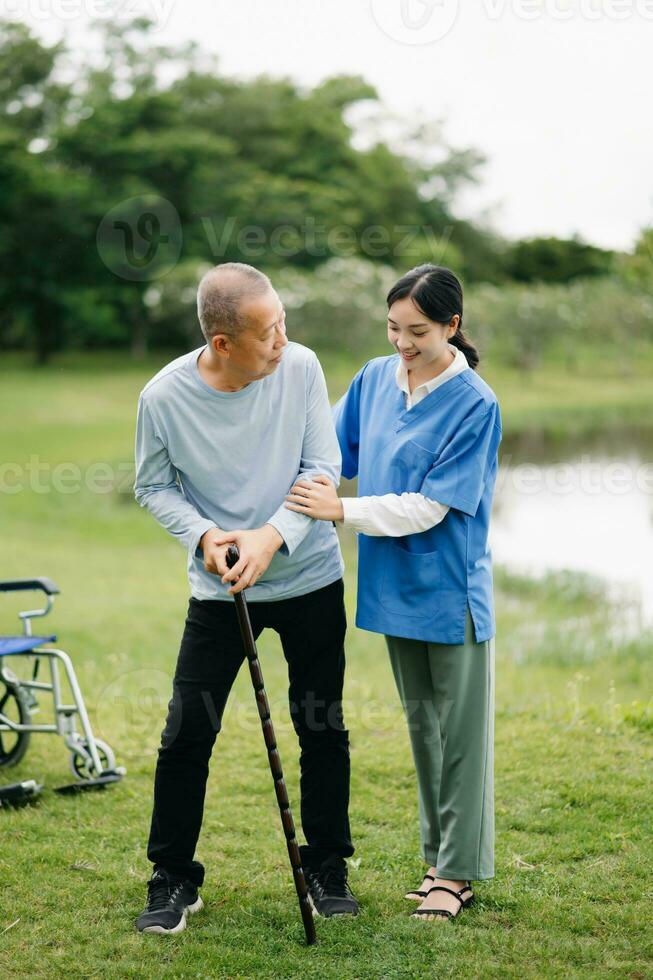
{"type": "Point", "coordinates": [22, 644]}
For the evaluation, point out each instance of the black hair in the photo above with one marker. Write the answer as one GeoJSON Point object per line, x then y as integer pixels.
{"type": "Point", "coordinates": [438, 294]}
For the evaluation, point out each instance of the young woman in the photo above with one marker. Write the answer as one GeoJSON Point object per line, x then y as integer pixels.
{"type": "Point", "coordinates": [421, 431]}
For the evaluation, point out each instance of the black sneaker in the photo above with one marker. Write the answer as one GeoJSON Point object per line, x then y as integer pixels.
{"type": "Point", "coordinates": [328, 891]}
{"type": "Point", "coordinates": [169, 900]}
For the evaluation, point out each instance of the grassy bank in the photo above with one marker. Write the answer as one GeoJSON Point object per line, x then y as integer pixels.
{"type": "Point", "coordinates": [600, 395]}
{"type": "Point", "coordinates": [571, 894]}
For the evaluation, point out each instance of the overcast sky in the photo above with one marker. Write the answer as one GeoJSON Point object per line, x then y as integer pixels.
{"type": "Point", "coordinates": [556, 94]}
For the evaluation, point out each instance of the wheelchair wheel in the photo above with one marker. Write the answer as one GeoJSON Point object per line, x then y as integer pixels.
{"type": "Point", "coordinates": [82, 764]}
{"type": "Point", "coordinates": [14, 704]}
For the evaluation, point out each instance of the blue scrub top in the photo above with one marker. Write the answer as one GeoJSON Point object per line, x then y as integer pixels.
{"type": "Point", "coordinates": [445, 447]}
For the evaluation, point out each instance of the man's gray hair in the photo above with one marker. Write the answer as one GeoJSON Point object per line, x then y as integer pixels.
{"type": "Point", "coordinates": [220, 295]}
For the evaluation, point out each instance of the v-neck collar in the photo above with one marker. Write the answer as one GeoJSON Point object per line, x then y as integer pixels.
{"type": "Point", "coordinates": [407, 415]}
{"type": "Point", "coordinates": [458, 365]}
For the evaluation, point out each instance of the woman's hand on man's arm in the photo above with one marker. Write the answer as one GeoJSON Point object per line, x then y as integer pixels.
{"type": "Point", "coordinates": [316, 498]}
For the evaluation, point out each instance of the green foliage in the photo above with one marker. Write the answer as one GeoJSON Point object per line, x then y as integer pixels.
{"type": "Point", "coordinates": [342, 307]}
{"type": "Point", "coordinates": [556, 260]}
{"type": "Point", "coordinates": [25, 66]}
{"type": "Point", "coordinates": [265, 172]}
{"type": "Point", "coordinates": [525, 326]}
{"type": "Point", "coordinates": [339, 307]}
{"type": "Point", "coordinates": [172, 307]}
{"type": "Point", "coordinates": [637, 269]}
{"type": "Point", "coordinates": [259, 171]}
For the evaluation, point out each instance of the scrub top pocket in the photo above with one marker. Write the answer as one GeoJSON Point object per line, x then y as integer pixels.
{"type": "Point", "coordinates": [401, 468]}
{"type": "Point", "coordinates": [409, 582]}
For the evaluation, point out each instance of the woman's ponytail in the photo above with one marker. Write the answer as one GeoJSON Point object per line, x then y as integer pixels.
{"type": "Point", "coordinates": [460, 341]}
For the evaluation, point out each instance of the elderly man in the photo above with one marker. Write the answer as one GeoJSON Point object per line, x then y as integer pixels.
{"type": "Point", "coordinates": [222, 435]}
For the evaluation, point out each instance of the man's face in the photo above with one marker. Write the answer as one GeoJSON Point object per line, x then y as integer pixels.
{"type": "Point", "coordinates": [258, 348]}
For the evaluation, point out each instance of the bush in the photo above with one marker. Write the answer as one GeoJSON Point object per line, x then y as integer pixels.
{"type": "Point", "coordinates": [339, 306]}
{"type": "Point", "coordinates": [523, 326]}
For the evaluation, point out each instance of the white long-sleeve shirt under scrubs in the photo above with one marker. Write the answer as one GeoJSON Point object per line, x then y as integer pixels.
{"type": "Point", "coordinates": [394, 515]}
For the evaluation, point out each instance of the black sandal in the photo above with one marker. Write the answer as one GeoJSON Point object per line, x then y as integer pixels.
{"type": "Point", "coordinates": [464, 903]}
{"type": "Point", "coordinates": [422, 894]}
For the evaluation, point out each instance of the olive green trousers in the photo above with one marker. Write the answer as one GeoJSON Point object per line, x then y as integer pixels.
{"type": "Point", "coordinates": [447, 693]}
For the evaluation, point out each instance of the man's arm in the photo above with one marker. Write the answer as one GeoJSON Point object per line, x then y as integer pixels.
{"type": "Point", "coordinates": [156, 487]}
{"type": "Point", "coordinates": [320, 454]}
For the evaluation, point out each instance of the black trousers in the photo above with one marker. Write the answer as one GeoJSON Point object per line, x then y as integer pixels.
{"type": "Point", "coordinates": [312, 631]}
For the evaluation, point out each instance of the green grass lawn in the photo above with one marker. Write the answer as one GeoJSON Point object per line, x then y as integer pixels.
{"type": "Point", "coordinates": [572, 891]}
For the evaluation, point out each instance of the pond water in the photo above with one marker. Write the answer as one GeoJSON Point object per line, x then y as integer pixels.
{"type": "Point", "coordinates": [581, 505]}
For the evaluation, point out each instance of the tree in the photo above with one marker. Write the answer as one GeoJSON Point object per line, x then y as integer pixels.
{"type": "Point", "coordinates": [637, 268]}
{"type": "Point", "coordinates": [150, 157]}
{"type": "Point", "coordinates": [556, 260]}
{"type": "Point", "coordinates": [42, 207]}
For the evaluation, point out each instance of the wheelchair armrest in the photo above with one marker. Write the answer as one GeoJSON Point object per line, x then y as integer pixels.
{"type": "Point", "coordinates": [30, 584]}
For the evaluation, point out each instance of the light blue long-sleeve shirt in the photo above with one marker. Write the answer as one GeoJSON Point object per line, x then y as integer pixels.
{"type": "Point", "coordinates": [208, 458]}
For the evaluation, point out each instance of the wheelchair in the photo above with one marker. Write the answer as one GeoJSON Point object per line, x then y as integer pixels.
{"type": "Point", "coordinates": [92, 761]}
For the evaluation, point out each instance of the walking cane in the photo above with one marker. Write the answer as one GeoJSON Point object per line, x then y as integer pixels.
{"type": "Point", "coordinates": [273, 754]}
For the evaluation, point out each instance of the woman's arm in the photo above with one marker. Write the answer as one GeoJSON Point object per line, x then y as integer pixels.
{"type": "Point", "coordinates": [390, 515]}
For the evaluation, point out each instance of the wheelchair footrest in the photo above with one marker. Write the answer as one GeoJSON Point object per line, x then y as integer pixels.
{"type": "Point", "coordinates": [17, 794]}
{"type": "Point", "coordinates": [108, 778]}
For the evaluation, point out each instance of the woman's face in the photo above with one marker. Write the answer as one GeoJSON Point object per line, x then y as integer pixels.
{"type": "Point", "coordinates": [419, 341]}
